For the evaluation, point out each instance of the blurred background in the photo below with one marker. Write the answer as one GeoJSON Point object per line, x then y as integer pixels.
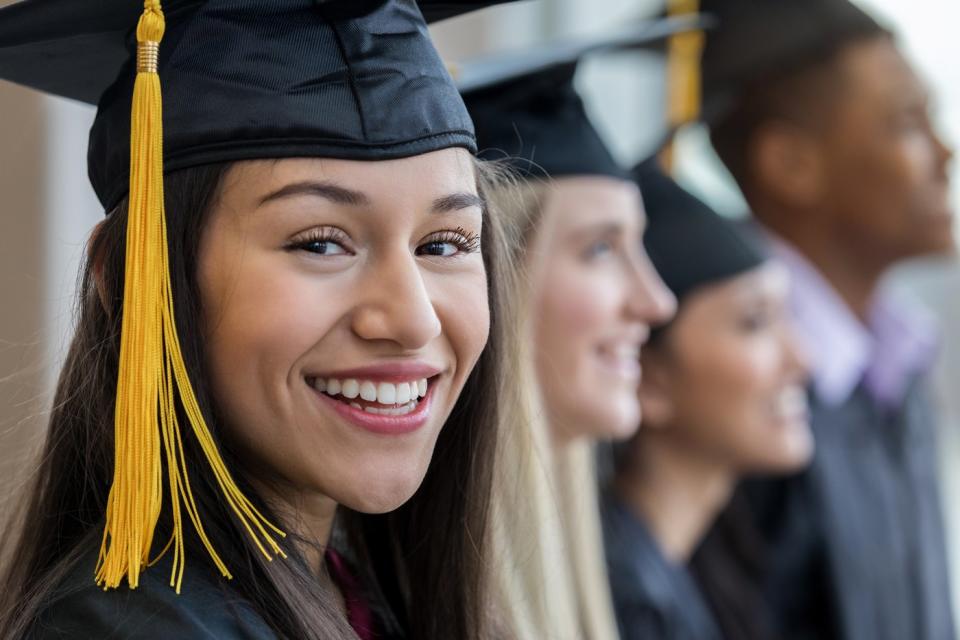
{"type": "Point", "coordinates": [48, 208]}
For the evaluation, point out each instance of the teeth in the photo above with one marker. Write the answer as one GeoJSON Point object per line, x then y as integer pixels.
{"type": "Point", "coordinates": [792, 402]}
{"type": "Point", "coordinates": [392, 411]}
{"type": "Point", "coordinates": [368, 391]}
{"type": "Point", "coordinates": [350, 389]}
{"type": "Point", "coordinates": [385, 393]}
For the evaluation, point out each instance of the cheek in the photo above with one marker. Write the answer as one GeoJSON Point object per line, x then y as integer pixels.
{"type": "Point", "coordinates": [574, 309]}
{"type": "Point", "coordinates": [888, 182]}
{"type": "Point", "coordinates": [730, 388]}
{"type": "Point", "coordinates": [731, 414]}
{"type": "Point", "coordinates": [261, 320]}
{"type": "Point", "coordinates": [462, 305]}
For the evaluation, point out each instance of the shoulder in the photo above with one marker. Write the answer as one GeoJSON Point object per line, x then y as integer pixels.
{"type": "Point", "coordinates": [205, 608]}
{"type": "Point", "coordinates": [641, 579]}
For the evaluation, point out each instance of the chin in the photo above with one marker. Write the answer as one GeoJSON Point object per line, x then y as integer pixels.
{"type": "Point", "coordinates": [787, 457]}
{"type": "Point", "coordinates": [378, 499]}
{"type": "Point", "coordinates": [383, 489]}
{"type": "Point", "coordinates": [619, 421]}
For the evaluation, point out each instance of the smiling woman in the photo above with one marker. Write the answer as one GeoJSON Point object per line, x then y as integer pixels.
{"type": "Point", "coordinates": [723, 397]}
{"type": "Point", "coordinates": [304, 446]}
{"type": "Point", "coordinates": [586, 303]}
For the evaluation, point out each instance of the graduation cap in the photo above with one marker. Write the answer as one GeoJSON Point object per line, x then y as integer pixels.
{"type": "Point", "coordinates": [688, 242]}
{"type": "Point", "coordinates": [242, 79]}
{"type": "Point", "coordinates": [755, 40]}
{"type": "Point", "coordinates": [246, 79]}
{"type": "Point", "coordinates": [527, 111]}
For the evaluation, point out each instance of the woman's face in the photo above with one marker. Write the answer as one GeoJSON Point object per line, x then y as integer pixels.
{"type": "Point", "coordinates": [345, 304]}
{"type": "Point", "coordinates": [728, 383]}
{"type": "Point", "coordinates": [595, 297]}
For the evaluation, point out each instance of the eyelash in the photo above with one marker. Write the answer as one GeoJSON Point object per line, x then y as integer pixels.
{"type": "Point", "coordinates": [319, 236]}
{"type": "Point", "coordinates": [465, 241]}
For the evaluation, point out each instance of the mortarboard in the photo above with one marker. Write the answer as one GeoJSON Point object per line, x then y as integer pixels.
{"type": "Point", "coordinates": [689, 244]}
{"type": "Point", "coordinates": [241, 79]}
{"type": "Point", "coordinates": [527, 111]}
{"type": "Point", "coordinates": [755, 40]}
{"type": "Point", "coordinates": [244, 79]}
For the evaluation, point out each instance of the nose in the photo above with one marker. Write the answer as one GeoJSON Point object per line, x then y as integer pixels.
{"type": "Point", "coordinates": [796, 361]}
{"type": "Point", "coordinates": [944, 150]}
{"type": "Point", "coordinates": [394, 303]}
{"type": "Point", "coordinates": [650, 300]}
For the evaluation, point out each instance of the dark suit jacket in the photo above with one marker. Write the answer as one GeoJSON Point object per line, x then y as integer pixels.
{"type": "Point", "coordinates": [857, 541]}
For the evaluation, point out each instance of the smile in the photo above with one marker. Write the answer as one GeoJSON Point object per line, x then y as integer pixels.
{"type": "Point", "coordinates": [378, 406]}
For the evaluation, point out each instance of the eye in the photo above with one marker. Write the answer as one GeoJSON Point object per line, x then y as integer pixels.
{"type": "Point", "coordinates": [326, 241]}
{"type": "Point", "coordinates": [755, 321]}
{"type": "Point", "coordinates": [449, 243]}
{"type": "Point", "coordinates": [598, 249]}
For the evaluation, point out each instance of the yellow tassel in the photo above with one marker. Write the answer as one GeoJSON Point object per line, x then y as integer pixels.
{"type": "Point", "coordinates": [683, 74]}
{"type": "Point", "coordinates": [152, 375]}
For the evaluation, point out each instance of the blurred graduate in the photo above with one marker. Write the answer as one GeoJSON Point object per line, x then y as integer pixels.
{"type": "Point", "coordinates": [826, 129]}
{"type": "Point", "coordinates": [585, 304]}
{"type": "Point", "coordinates": [723, 397]}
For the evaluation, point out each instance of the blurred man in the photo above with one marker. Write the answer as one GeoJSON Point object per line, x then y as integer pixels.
{"type": "Point", "coordinates": [826, 129]}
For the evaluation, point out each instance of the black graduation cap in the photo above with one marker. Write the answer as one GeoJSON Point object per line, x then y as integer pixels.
{"type": "Point", "coordinates": [688, 242]}
{"type": "Point", "coordinates": [247, 79]}
{"type": "Point", "coordinates": [755, 40]}
{"type": "Point", "coordinates": [527, 111]}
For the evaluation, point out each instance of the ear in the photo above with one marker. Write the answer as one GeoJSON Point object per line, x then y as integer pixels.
{"type": "Point", "coordinates": [96, 255]}
{"type": "Point", "coordinates": [789, 163]}
{"type": "Point", "coordinates": [656, 391]}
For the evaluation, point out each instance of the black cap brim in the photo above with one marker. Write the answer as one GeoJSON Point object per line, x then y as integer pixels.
{"type": "Point", "coordinates": [76, 48]}
{"type": "Point", "coordinates": [489, 71]}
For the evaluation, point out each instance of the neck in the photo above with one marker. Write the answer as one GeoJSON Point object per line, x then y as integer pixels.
{"type": "Point", "coordinates": [677, 495]}
{"type": "Point", "coordinates": [308, 516]}
{"type": "Point", "coordinates": [855, 276]}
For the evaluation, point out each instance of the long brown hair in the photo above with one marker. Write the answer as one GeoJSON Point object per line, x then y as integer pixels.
{"type": "Point", "coordinates": [436, 541]}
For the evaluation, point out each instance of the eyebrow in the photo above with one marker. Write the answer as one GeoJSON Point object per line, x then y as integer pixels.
{"type": "Point", "coordinates": [332, 192]}
{"type": "Point", "coordinates": [457, 202]}
{"type": "Point", "coordinates": [602, 228]}
{"type": "Point", "coordinates": [349, 197]}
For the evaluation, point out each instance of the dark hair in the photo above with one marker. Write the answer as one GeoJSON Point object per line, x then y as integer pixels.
{"type": "Point", "coordinates": [437, 541]}
{"type": "Point", "coordinates": [802, 94]}
{"type": "Point", "coordinates": [729, 568]}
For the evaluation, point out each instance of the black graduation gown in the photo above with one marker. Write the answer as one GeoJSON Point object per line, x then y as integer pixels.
{"type": "Point", "coordinates": [205, 609]}
{"type": "Point", "coordinates": [653, 598]}
{"type": "Point", "coordinates": [856, 542]}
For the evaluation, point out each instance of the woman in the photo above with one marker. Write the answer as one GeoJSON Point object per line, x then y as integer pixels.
{"type": "Point", "coordinates": [309, 327]}
{"type": "Point", "coordinates": [723, 396]}
{"type": "Point", "coordinates": [588, 300]}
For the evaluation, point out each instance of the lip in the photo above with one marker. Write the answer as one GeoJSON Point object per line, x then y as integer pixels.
{"type": "Point", "coordinates": [385, 372]}
{"type": "Point", "coordinates": [378, 424]}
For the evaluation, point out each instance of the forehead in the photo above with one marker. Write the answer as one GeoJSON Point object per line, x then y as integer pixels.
{"type": "Point", "coordinates": [425, 176]}
{"type": "Point", "coordinates": [876, 70]}
{"type": "Point", "coordinates": [583, 201]}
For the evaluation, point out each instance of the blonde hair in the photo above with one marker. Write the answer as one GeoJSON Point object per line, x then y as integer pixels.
{"type": "Point", "coordinates": [547, 541]}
